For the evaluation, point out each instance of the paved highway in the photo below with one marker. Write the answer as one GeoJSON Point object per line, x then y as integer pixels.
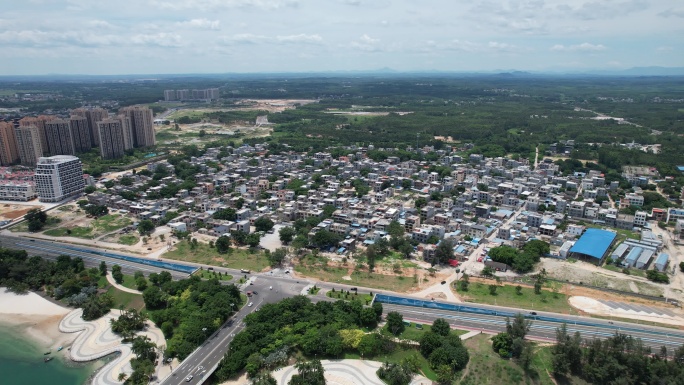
{"type": "Point", "coordinates": [545, 330]}
{"type": "Point", "coordinates": [212, 351]}
{"type": "Point", "coordinates": [90, 256]}
{"type": "Point", "coordinates": [201, 363]}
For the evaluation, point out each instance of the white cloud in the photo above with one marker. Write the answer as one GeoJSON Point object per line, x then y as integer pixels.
{"type": "Point", "coordinates": [469, 46]}
{"type": "Point", "coordinates": [368, 40]}
{"type": "Point", "coordinates": [672, 12]}
{"type": "Point", "coordinates": [248, 38]}
{"type": "Point", "coordinates": [584, 47]}
{"type": "Point", "coordinates": [212, 5]}
{"type": "Point", "coordinates": [497, 46]}
{"type": "Point", "coordinates": [37, 38]}
{"type": "Point", "coordinates": [602, 9]}
{"type": "Point", "coordinates": [354, 34]}
{"type": "Point", "coordinates": [366, 43]}
{"type": "Point", "coordinates": [100, 24]}
{"type": "Point", "coordinates": [462, 45]}
{"type": "Point", "coordinates": [161, 39]}
{"type": "Point", "coordinates": [201, 24]}
{"type": "Point", "coordinates": [301, 38]}
{"type": "Point", "coordinates": [242, 38]}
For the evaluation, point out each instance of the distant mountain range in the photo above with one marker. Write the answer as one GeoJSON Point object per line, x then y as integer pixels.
{"type": "Point", "coordinates": [644, 71]}
{"type": "Point", "coordinates": [508, 73]}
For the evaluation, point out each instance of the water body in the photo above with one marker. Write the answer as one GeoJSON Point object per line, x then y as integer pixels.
{"type": "Point", "coordinates": [21, 363]}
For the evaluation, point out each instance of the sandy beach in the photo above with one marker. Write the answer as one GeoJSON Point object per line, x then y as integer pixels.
{"type": "Point", "coordinates": [51, 326]}
{"type": "Point", "coordinates": [35, 317]}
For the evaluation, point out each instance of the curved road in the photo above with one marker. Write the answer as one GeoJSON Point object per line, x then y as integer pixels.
{"type": "Point", "coordinates": [205, 359]}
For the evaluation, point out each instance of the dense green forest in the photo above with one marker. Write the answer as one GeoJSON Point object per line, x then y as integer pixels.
{"type": "Point", "coordinates": [296, 326]}
{"type": "Point", "coordinates": [189, 311]}
{"type": "Point", "coordinates": [616, 360]}
{"type": "Point", "coordinates": [503, 114]}
{"type": "Point", "coordinates": [65, 279]}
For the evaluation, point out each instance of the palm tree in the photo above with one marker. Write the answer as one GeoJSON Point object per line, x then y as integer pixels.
{"type": "Point", "coordinates": [122, 376]}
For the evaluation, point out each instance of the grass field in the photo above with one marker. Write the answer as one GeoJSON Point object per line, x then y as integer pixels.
{"type": "Point", "coordinates": [189, 113]}
{"type": "Point", "coordinates": [78, 232]}
{"type": "Point", "coordinates": [487, 368]}
{"type": "Point", "coordinates": [206, 274]}
{"type": "Point", "coordinates": [414, 334]}
{"type": "Point", "coordinates": [128, 240]}
{"type": "Point", "coordinates": [378, 281]}
{"type": "Point", "coordinates": [127, 300]}
{"type": "Point", "coordinates": [236, 258]}
{"type": "Point", "coordinates": [129, 282]}
{"type": "Point", "coordinates": [507, 296]}
{"type": "Point", "coordinates": [99, 226]}
{"type": "Point", "coordinates": [350, 296]}
{"type": "Point", "coordinates": [635, 272]}
{"type": "Point", "coordinates": [110, 222]}
{"type": "Point", "coordinates": [22, 227]}
{"type": "Point", "coordinates": [622, 234]}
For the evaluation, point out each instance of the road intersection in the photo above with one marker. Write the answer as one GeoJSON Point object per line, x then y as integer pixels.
{"type": "Point", "coordinates": [272, 287]}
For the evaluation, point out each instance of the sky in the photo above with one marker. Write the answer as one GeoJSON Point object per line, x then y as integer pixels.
{"type": "Point", "coordinates": [104, 37]}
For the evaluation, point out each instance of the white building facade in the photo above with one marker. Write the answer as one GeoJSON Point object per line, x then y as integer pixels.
{"type": "Point", "coordinates": [59, 177]}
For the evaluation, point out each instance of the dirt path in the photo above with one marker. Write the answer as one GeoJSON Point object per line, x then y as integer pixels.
{"type": "Point", "coordinates": [633, 286]}
{"type": "Point", "coordinates": [112, 282]}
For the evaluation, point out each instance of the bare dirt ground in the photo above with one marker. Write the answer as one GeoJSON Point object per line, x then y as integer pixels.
{"type": "Point", "coordinates": [590, 274]}
{"type": "Point", "coordinates": [251, 129]}
{"type": "Point", "coordinates": [423, 277]}
{"type": "Point", "coordinates": [14, 211]}
{"type": "Point", "coordinates": [592, 306]}
{"type": "Point", "coordinates": [273, 105]}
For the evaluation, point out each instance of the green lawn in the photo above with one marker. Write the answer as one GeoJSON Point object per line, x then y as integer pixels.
{"type": "Point", "coordinates": [128, 240]}
{"type": "Point", "coordinates": [206, 274]}
{"type": "Point", "coordinates": [378, 281]}
{"type": "Point", "coordinates": [314, 290]}
{"type": "Point", "coordinates": [189, 113]}
{"type": "Point", "coordinates": [127, 300]}
{"type": "Point", "coordinates": [350, 295]}
{"type": "Point", "coordinates": [395, 261]}
{"type": "Point", "coordinates": [632, 271]}
{"type": "Point", "coordinates": [22, 227]}
{"type": "Point", "coordinates": [507, 296]}
{"type": "Point", "coordinates": [236, 258]}
{"type": "Point", "coordinates": [110, 222]}
{"type": "Point", "coordinates": [78, 232]}
{"type": "Point", "coordinates": [414, 334]}
{"type": "Point", "coordinates": [620, 232]}
{"type": "Point", "coordinates": [102, 225]}
{"type": "Point", "coordinates": [487, 368]}
{"type": "Point", "coordinates": [129, 282]}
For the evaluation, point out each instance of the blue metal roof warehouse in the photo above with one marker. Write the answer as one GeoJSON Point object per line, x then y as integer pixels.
{"type": "Point", "coordinates": [594, 243]}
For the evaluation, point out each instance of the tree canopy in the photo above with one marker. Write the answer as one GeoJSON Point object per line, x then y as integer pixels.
{"type": "Point", "coordinates": [192, 308]}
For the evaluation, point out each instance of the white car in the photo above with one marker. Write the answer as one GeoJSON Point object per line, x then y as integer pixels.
{"type": "Point", "coordinates": [270, 288]}
{"type": "Point", "coordinates": [250, 304]}
{"type": "Point", "coordinates": [188, 378]}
